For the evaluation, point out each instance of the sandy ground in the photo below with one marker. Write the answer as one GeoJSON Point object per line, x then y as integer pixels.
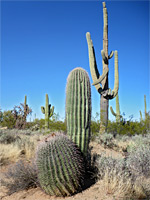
{"type": "Point", "coordinates": [94, 192]}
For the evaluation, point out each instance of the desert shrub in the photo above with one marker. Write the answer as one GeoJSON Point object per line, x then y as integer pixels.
{"type": "Point", "coordinates": [107, 140]}
{"type": "Point", "coordinates": [95, 126]}
{"type": "Point", "coordinates": [8, 138]}
{"type": "Point", "coordinates": [20, 114]}
{"type": "Point", "coordinates": [104, 163]}
{"type": "Point", "coordinates": [22, 175]}
{"type": "Point", "coordinates": [8, 119]}
{"type": "Point", "coordinates": [57, 126]}
{"type": "Point", "coordinates": [116, 177]}
{"type": "Point", "coordinates": [128, 128]}
{"type": "Point", "coordinates": [119, 180]}
{"type": "Point", "coordinates": [137, 141]}
{"type": "Point", "coordinates": [138, 161]}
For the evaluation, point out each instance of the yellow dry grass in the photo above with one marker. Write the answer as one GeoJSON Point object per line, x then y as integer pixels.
{"type": "Point", "coordinates": [24, 148]}
{"type": "Point", "coordinates": [8, 153]}
{"type": "Point", "coordinates": [121, 186]}
{"type": "Point", "coordinates": [117, 184]}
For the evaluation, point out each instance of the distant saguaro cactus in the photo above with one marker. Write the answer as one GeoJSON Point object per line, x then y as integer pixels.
{"type": "Point", "coordinates": [78, 108]}
{"type": "Point", "coordinates": [60, 165]}
{"type": "Point", "coordinates": [117, 114]}
{"type": "Point", "coordinates": [25, 108]}
{"type": "Point", "coordinates": [145, 109]}
{"type": "Point", "coordinates": [48, 111]}
{"type": "Point", "coordinates": [104, 90]}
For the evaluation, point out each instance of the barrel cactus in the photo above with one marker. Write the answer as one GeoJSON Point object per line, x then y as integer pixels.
{"type": "Point", "coordinates": [78, 108]}
{"type": "Point", "coordinates": [60, 166]}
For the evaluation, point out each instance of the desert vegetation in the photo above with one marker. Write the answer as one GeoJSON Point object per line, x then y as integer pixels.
{"type": "Point", "coordinates": [124, 171]}
{"type": "Point", "coordinates": [67, 158]}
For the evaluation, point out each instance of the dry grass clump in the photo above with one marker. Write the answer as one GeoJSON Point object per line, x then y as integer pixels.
{"type": "Point", "coordinates": [22, 146]}
{"type": "Point", "coordinates": [120, 181]}
{"type": "Point", "coordinates": [9, 153]}
{"type": "Point", "coordinates": [22, 175]}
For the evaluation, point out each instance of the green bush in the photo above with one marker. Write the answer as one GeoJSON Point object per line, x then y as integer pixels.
{"type": "Point", "coordinates": [95, 125]}
{"type": "Point", "coordinates": [7, 119]}
{"type": "Point", "coordinates": [53, 125]}
{"type": "Point", "coordinates": [128, 128]}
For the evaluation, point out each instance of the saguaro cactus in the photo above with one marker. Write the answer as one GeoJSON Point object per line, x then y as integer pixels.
{"type": "Point", "coordinates": [48, 111]}
{"type": "Point", "coordinates": [78, 108]}
{"type": "Point", "coordinates": [117, 114]}
{"type": "Point", "coordinates": [103, 89]}
{"type": "Point", "coordinates": [60, 165]}
{"type": "Point", "coordinates": [145, 109]}
{"type": "Point", "coordinates": [25, 109]}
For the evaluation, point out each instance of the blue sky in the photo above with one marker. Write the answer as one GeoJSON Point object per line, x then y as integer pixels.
{"type": "Point", "coordinates": [42, 41]}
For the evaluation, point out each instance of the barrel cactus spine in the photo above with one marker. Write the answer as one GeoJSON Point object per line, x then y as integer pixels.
{"type": "Point", "coordinates": [48, 111]}
{"type": "Point", "coordinates": [60, 166]}
{"type": "Point", "coordinates": [103, 89]}
{"type": "Point", "coordinates": [78, 108]}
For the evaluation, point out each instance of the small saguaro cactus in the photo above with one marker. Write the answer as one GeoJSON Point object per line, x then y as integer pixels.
{"type": "Point", "coordinates": [117, 114]}
{"type": "Point", "coordinates": [60, 165]}
{"type": "Point", "coordinates": [145, 109]}
{"type": "Point", "coordinates": [48, 111]}
{"type": "Point", "coordinates": [25, 108]}
{"type": "Point", "coordinates": [78, 108]}
{"type": "Point", "coordinates": [103, 89]}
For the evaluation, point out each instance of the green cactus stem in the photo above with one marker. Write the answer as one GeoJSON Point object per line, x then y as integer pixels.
{"type": "Point", "coordinates": [145, 109]}
{"type": "Point", "coordinates": [141, 117]}
{"type": "Point", "coordinates": [78, 108]}
{"type": "Point", "coordinates": [48, 111]}
{"type": "Point", "coordinates": [25, 109]}
{"type": "Point", "coordinates": [60, 166]}
{"type": "Point", "coordinates": [145, 106]}
{"type": "Point", "coordinates": [117, 114]}
{"type": "Point", "coordinates": [101, 82]}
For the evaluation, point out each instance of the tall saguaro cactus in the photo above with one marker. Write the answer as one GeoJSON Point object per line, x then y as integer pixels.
{"type": "Point", "coordinates": [103, 89]}
{"type": "Point", "coordinates": [117, 114]}
{"type": "Point", "coordinates": [48, 111]}
{"type": "Point", "coordinates": [78, 108]}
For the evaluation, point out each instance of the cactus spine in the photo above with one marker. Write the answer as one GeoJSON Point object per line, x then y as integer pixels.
{"type": "Point", "coordinates": [103, 89]}
{"type": "Point", "coordinates": [78, 108]}
{"type": "Point", "coordinates": [59, 165]}
{"type": "Point", "coordinates": [48, 111]}
{"type": "Point", "coordinates": [117, 114]}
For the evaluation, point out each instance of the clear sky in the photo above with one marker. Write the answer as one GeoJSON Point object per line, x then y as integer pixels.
{"type": "Point", "coordinates": [42, 41]}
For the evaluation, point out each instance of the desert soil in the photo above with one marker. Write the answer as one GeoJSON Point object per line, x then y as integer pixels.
{"type": "Point", "coordinates": [94, 192]}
